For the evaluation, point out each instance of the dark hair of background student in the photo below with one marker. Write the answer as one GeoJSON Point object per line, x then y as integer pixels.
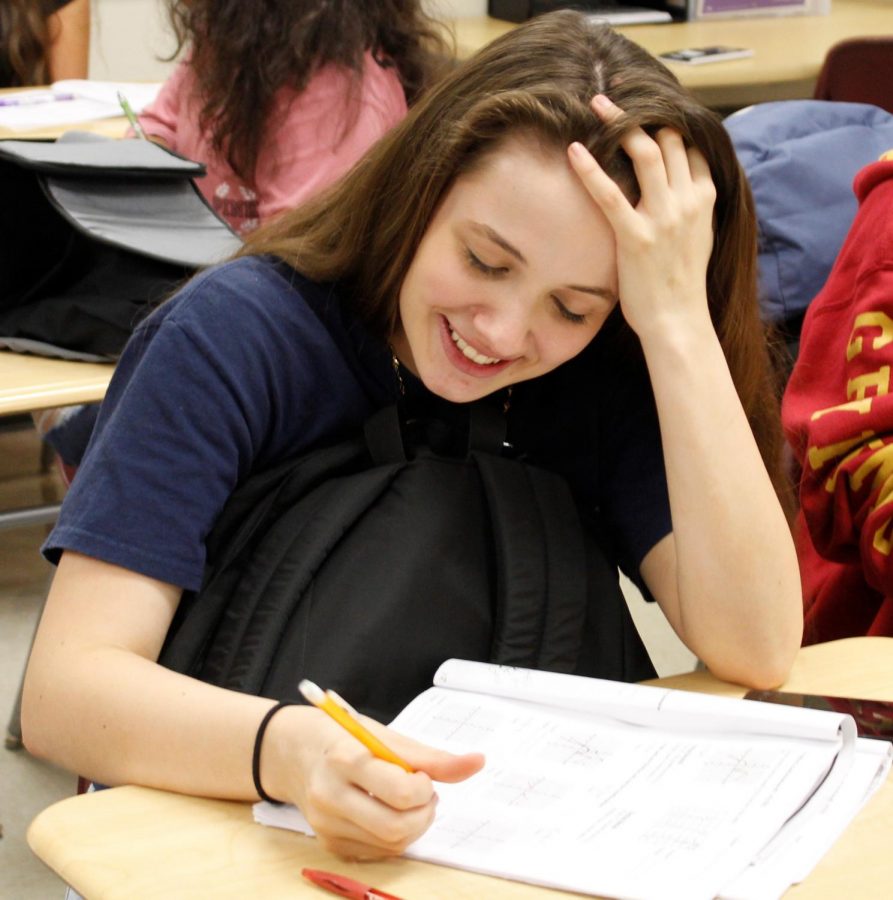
{"type": "Point", "coordinates": [364, 232]}
{"type": "Point", "coordinates": [243, 52]}
{"type": "Point", "coordinates": [24, 42]}
{"type": "Point", "coordinates": [42, 41]}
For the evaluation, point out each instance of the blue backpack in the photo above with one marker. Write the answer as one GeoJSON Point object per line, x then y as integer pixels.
{"type": "Point", "coordinates": [800, 157]}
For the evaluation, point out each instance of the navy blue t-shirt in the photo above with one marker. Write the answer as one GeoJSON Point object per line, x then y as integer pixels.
{"type": "Point", "coordinates": [252, 363]}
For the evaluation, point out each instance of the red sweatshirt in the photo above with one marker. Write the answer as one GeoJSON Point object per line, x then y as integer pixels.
{"type": "Point", "coordinates": [838, 418]}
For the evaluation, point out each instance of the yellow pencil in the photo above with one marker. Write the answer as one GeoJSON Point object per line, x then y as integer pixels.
{"type": "Point", "coordinates": [331, 704]}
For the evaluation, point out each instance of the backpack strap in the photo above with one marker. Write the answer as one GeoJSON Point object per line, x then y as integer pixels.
{"type": "Point", "coordinates": [384, 435]}
{"type": "Point", "coordinates": [541, 589]}
{"type": "Point", "coordinates": [540, 562]}
{"type": "Point", "coordinates": [486, 428]}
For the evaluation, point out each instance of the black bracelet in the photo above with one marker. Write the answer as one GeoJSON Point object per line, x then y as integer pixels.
{"type": "Point", "coordinates": [258, 742]}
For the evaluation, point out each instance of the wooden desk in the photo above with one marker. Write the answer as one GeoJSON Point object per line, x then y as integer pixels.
{"type": "Point", "coordinates": [114, 127]}
{"type": "Point", "coordinates": [30, 383]}
{"type": "Point", "coordinates": [788, 50]}
{"type": "Point", "coordinates": [131, 843]}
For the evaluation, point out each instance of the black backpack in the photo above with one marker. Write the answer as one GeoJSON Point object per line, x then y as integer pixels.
{"type": "Point", "coordinates": [365, 565]}
{"type": "Point", "coordinates": [95, 234]}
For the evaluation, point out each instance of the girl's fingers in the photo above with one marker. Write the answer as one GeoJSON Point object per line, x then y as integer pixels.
{"type": "Point", "coordinates": [402, 790]}
{"type": "Point", "coordinates": [605, 109]}
{"type": "Point", "coordinates": [439, 765]}
{"type": "Point", "coordinates": [664, 166]}
{"type": "Point", "coordinates": [701, 175]}
{"type": "Point", "coordinates": [392, 786]}
{"type": "Point", "coordinates": [364, 807]}
{"type": "Point", "coordinates": [644, 151]}
{"type": "Point", "coordinates": [365, 821]}
{"type": "Point", "coordinates": [603, 190]}
{"type": "Point", "coordinates": [675, 158]}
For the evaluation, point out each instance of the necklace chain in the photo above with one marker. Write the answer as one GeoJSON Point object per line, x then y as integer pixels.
{"type": "Point", "coordinates": [395, 365]}
{"type": "Point", "coordinates": [401, 387]}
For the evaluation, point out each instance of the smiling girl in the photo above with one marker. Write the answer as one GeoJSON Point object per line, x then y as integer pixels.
{"type": "Point", "coordinates": [558, 220]}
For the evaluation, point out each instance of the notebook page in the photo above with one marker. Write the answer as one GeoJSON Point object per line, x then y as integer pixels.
{"type": "Point", "coordinates": [642, 704]}
{"type": "Point", "coordinates": [595, 806]}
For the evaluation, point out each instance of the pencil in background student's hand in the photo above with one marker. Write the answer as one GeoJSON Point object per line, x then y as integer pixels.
{"type": "Point", "coordinates": [131, 116]}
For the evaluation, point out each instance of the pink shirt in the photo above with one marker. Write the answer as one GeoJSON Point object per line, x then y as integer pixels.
{"type": "Point", "coordinates": [313, 139]}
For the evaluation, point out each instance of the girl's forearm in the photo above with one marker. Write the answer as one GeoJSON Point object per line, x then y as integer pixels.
{"type": "Point", "coordinates": [117, 718]}
{"type": "Point", "coordinates": [738, 602]}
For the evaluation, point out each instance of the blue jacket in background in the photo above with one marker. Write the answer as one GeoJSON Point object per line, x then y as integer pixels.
{"type": "Point", "coordinates": [801, 157]}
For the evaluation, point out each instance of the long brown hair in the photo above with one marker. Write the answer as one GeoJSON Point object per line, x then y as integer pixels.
{"type": "Point", "coordinates": [363, 233]}
{"type": "Point", "coordinates": [24, 39]}
{"type": "Point", "coordinates": [243, 51]}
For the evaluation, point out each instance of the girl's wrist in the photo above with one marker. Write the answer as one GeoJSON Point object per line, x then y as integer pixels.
{"type": "Point", "coordinates": [259, 746]}
{"type": "Point", "coordinates": [677, 334]}
{"type": "Point", "coordinates": [279, 759]}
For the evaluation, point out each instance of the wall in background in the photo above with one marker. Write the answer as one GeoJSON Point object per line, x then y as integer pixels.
{"type": "Point", "coordinates": [130, 36]}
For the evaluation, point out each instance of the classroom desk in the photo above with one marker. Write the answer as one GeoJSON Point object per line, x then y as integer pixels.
{"type": "Point", "coordinates": [114, 127]}
{"type": "Point", "coordinates": [788, 50]}
{"type": "Point", "coordinates": [130, 843]}
{"type": "Point", "coordinates": [31, 383]}
{"type": "Point", "coordinates": [788, 53]}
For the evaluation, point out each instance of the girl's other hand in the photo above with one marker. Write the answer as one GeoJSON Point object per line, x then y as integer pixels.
{"type": "Point", "coordinates": [359, 806]}
{"type": "Point", "coordinates": [664, 241]}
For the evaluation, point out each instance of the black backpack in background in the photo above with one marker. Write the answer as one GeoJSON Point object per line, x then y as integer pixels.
{"type": "Point", "coordinates": [365, 565]}
{"type": "Point", "coordinates": [95, 234]}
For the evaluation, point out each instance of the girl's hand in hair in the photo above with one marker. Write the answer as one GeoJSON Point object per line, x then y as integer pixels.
{"type": "Point", "coordinates": [664, 241]}
{"type": "Point", "coordinates": [359, 806]}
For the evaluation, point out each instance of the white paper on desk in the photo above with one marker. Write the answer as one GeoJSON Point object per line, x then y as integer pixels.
{"type": "Point", "coordinates": [139, 94]}
{"type": "Point", "coordinates": [594, 806]}
{"type": "Point", "coordinates": [802, 843]}
{"type": "Point", "coordinates": [569, 801]}
{"type": "Point", "coordinates": [92, 100]}
{"type": "Point", "coordinates": [640, 704]}
{"type": "Point", "coordinates": [602, 815]}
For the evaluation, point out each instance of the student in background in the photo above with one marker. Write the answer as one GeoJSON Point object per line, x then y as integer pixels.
{"type": "Point", "coordinates": [557, 223]}
{"type": "Point", "coordinates": [838, 416]}
{"type": "Point", "coordinates": [280, 98]}
{"type": "Point", "coordinates": [42, 41]}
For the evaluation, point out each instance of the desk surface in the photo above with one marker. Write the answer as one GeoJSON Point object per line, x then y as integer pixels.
{"type": "Point", "coordinates": [29, 383]}
{"type": "Point", "coordinates": [788, 50]}
{"type": "Point", "coordinates": [130, 843]}
{"type": "Point", "coordinates": [114, 127]}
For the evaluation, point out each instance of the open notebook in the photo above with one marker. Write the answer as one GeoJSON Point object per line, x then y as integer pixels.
{"type": "Point", "coordinates": [632, 791]}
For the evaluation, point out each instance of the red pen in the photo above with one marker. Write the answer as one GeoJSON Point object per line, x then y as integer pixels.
{"type": "Point", "coordinates": [344, 886]}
